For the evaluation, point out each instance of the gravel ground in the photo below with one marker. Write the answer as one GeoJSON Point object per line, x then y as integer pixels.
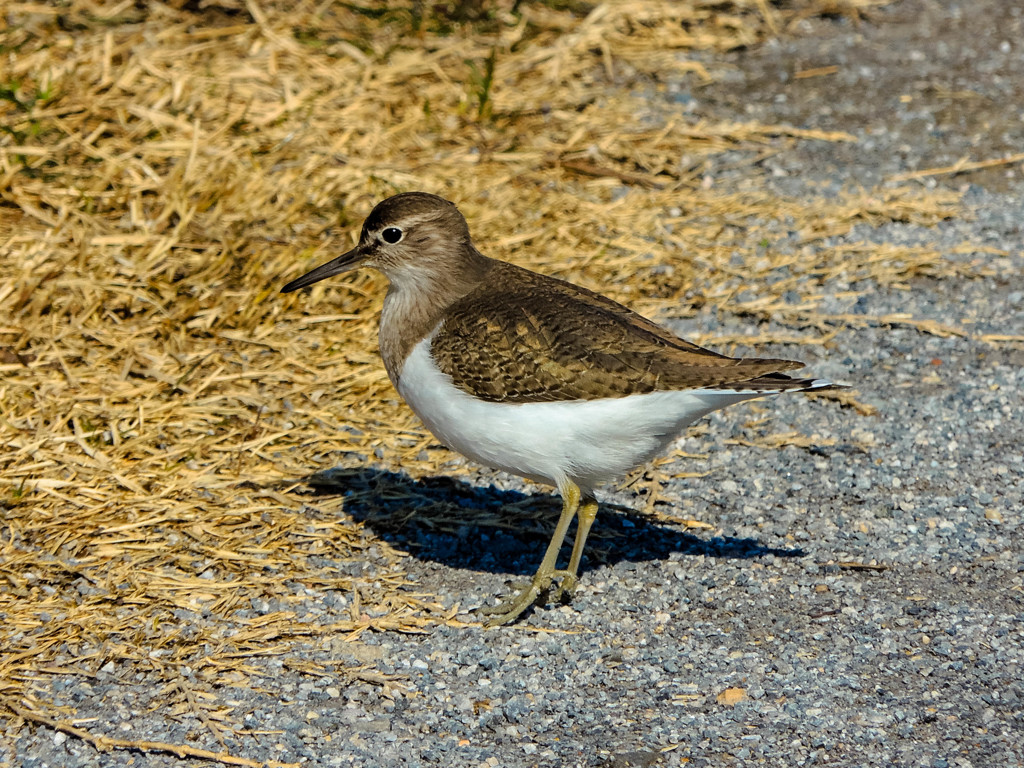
{"type": "Point", "coordinates": [749, 644]}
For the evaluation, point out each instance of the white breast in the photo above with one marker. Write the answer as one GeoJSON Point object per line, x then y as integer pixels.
{"type": "Point", "coordinates": [587, 441]}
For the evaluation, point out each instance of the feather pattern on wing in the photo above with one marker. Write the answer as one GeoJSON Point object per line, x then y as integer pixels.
{"type": "Point", "coordinates": [522, 337]}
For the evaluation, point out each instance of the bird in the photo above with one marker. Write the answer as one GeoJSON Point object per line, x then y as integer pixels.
{"type": "Point", "coordinates": [533, 375]}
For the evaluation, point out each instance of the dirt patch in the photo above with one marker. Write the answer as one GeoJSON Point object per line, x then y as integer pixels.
{"type": "Point", "coordinates": [924, 85]}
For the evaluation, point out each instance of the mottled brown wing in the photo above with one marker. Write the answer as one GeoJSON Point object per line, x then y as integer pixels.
{"type": "Point", "coordinates": [525, 337]}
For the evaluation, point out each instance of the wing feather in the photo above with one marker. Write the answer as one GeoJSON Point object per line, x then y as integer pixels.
{"type": "Point", "coordinates": [524, 337]}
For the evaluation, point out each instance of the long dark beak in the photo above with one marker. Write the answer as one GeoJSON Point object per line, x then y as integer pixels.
{"type": "Point", "coordinates": [344, 263]}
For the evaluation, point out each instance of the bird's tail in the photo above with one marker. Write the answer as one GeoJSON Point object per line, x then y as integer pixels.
{"type": "Point", "coordinates": [772, 383]}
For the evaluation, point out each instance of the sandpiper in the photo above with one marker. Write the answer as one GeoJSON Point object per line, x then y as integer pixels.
{"type": "Point", "coordinates": [533, 375]}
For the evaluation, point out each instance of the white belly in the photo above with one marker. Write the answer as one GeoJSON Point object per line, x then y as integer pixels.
{"type": "Point", "coordinates": [587, 441]}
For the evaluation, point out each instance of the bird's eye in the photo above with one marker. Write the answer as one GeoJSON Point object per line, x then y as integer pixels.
{"type": "Point", "coordinates": [391, 235]}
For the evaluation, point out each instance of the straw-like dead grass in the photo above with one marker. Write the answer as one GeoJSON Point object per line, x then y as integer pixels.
{"type": "Point", "coordinates": [164, 169]}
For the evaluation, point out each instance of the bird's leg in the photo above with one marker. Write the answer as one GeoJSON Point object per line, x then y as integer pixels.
{"type": "Point", "coordinates": [511, 607]}
{"type": "Point", "coordinates": [584, 519]}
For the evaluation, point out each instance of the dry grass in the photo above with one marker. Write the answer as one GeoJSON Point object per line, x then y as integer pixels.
{"type": "Point", "coordinates": [165, 171]}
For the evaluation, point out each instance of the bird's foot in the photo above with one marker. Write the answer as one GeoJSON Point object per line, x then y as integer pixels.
{"type": "Point", "coordinates": [566, 587]}
{"type": "Point", "coordinates": [526, 594]}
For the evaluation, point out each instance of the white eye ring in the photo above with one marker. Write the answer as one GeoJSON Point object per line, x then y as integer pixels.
{"type": "Point", "coordinates": [391, 235]}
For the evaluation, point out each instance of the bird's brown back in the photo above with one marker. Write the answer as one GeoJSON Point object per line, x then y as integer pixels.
{"type": "Point", "coordinates": [522, 337]}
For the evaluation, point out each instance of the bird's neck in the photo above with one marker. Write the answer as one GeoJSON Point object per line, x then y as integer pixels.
{"type": "Point", "coordinates": [417, 298]}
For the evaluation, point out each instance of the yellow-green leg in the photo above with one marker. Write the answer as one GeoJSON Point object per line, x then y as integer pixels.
{"type": "Point", "coordinates": [584, 519]}
{"type": "Point", "coordinates": [514, 605]}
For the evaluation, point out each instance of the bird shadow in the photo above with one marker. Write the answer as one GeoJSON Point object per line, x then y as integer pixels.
{"type": "Point", "coordinates": [448, 521]}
